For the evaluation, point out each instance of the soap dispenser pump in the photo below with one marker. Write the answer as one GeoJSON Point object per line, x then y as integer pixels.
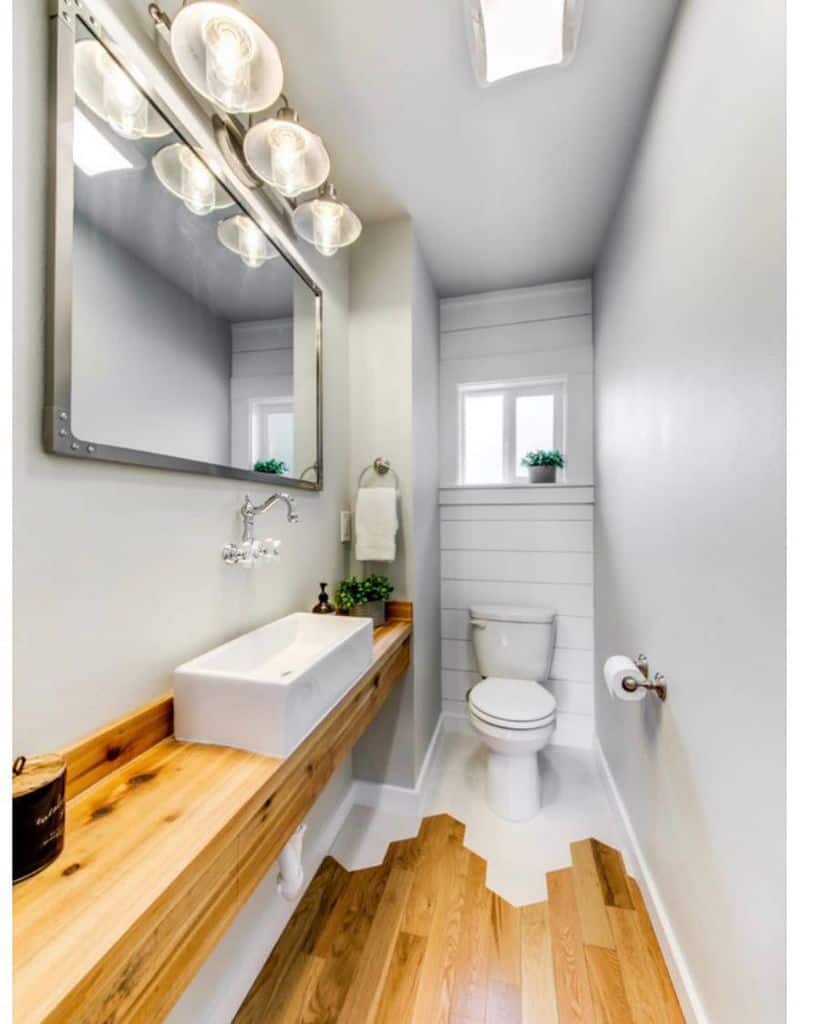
{"type": "Point", "coordinates": [323, 606]}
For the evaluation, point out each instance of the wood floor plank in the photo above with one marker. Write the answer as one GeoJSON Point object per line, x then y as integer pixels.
{"type": "Point", "coordinates": [613, 876]}
{"type": "Point", "coordinates": [644, 990]}
{"type": "Point", "coordinates": [362, 999]}
{"type": "Point", "coordinates": [606, 985]}
{"type": "Point", "coordinates": [538, 1003]}
{"type": "Point", "coordinates": [470, 993]}
{"type": "Point", "coordinates": [589, 895]}
{"type": "Point", "coordinates": [504, 963]}
{"type": "Point", "coordinates": [571, 980]}
{"type": "Point", "coordinates": [401, 984]}
{"type": "Point", "coordinates": [291, 1002]}
{"type": "Point", "coordinates": [421, 903]}
{"type": "Point", "coordinates": [297, 939]}
{"type": "Point", "coordinates": [674, 1014]}
{"type": "Point", "coordinates": [436, 988]}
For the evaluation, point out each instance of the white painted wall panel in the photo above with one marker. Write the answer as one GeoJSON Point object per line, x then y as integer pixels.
{"type": "Point", "coordinates": [559, 336]}
{"type": "Point", "coordinates": [506, 512]}
{"type": "Point", "coordinates": [543, 302]}
{"type": "Point", "coordinates": [517, 536]}
{"type": "Point", "coordinates": [517, 566]}
{"type": "Point", "coordinates": [563, 598]}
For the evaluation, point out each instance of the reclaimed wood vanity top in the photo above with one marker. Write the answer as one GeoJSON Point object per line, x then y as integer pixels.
{"type": "Point", "coordinates": [165, 841]}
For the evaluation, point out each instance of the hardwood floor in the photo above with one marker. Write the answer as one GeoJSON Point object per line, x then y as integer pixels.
{"type": "Point", "coordinates": [421, 940]}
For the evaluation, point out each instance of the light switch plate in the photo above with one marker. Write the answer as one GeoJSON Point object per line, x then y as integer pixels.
{"type": "Point", "coordinates": [345, 522]}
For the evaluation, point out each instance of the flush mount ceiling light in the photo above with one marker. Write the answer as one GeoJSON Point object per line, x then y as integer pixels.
{"type": "Point", "coordinates": [108, 90]}
{"type": "Point", "coordinates": [242, 236]}
{"type": "Point", "coordinates": [226, 56]}
{"type": "Point", "coordinates": [285, 154]}
{"type": "Point", "coordinates": [327, 222]}
{"type": "Point", "coordinates": [184, 174]}
{"type": "Point", "coordinates": [511, 36]}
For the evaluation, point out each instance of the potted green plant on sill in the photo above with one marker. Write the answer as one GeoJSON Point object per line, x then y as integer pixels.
{"type": "Point", "coordinates": [275, 466]}
{"type": "Point", "coordinates": [542, 465]}
{"type": "Point", "coordinates": [365, 597]}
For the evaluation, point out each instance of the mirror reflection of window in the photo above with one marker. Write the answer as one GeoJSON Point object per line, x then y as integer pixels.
{"type": "Point", "coordinates": [192, 336]}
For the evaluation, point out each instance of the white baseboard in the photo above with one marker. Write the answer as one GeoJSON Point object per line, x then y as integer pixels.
{"type": "Point", "coordinates": [691, 1004]}
{"type": "Point", "coordinates": [571, 730]}
{"type": "Point", "coordinates": [402, 800]}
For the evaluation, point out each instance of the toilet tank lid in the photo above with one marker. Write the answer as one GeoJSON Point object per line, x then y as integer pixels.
{"type": "Point", "coordinates": [510, 613]}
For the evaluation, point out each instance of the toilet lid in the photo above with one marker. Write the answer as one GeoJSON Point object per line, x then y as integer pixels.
{"type": "Point", "coordinates": [512, 701]}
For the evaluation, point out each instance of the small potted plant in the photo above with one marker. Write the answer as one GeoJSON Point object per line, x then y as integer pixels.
{"type": "Point", "coordinates": [275, 466]}
{"type": "Point", "coordinates": [365, 598]}
{"type": "Point", "coordinates": [542, 465]}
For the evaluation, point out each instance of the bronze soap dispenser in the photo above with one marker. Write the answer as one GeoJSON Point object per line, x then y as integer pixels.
{"type": "Point", "coordinates": [323, 606]}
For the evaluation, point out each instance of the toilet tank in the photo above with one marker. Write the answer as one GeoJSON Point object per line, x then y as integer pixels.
{"type": "Point", "coordinates": [513, 641]}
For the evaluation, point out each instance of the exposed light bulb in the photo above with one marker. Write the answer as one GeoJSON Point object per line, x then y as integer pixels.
{"type": "Point", "coordinates": [288, 147]}
{"type": "Point", "coordinates": [124, 106]}
{"type": "Point", "coordinates": [327, 214]}
{"type": "Point", "coordinates": [198, 184]}
{"type": "Point", "coordinates": [229, 51]}
{"type": "Point", "coordinates": [253, 246]}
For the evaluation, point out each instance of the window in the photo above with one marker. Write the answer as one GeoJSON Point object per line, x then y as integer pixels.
{"type": "Point", "coordinates": [503, 421]}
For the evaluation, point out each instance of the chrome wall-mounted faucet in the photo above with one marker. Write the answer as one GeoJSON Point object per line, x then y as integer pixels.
{"type": "Point", "coordinates": [250, 550]}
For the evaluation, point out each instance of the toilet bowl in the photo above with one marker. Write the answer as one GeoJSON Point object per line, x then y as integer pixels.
{"type": "Point", "coordinates": [509, 709]}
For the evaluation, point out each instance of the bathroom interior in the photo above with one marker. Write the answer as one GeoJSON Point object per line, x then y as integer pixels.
{"type": "Point", "coordinates": [401, 636]}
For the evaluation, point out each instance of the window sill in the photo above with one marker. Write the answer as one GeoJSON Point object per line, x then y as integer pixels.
{"type": "Point", "coordinates": [517, 494]}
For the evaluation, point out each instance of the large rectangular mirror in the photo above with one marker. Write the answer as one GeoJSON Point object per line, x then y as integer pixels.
{"type": "Point", "coordinates": [191, 342]}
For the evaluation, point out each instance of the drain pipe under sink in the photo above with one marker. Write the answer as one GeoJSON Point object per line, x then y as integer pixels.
{"type": "Point", "coordinates": [291, 872]}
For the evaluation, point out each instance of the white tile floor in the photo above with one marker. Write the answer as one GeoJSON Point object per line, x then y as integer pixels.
{"type": "Point", "coordinates": [574, 806]}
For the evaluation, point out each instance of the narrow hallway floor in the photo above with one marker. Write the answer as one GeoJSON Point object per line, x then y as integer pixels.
{"type": "Point", "coordinates": [574, 804]}
{"type": "Point", "coordinates": [420, 938]}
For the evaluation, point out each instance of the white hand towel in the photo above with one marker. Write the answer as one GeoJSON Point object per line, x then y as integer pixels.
{"type": "Point", "coordinates": [377, 523]}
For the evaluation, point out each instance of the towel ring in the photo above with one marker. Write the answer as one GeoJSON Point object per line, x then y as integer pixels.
{"type": "Point", "coordinates": [380, 466]}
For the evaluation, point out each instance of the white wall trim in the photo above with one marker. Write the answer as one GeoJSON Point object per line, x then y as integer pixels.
{"type": "Point", "coordinates": [403, 800]}
{"type": "Point", "coordinates": [691, 1004]}
{"type": "Point", "coordinates": [517, 305]}
{"type": "Point", "coordinates": [510, 494]}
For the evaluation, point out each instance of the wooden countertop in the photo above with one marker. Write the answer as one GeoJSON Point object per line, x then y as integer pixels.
{"type": "Point", "coordinates": [163, 851]}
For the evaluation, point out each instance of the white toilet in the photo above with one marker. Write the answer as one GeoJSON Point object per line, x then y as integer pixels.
{"type": "Point", "coordinates": [510, 709]}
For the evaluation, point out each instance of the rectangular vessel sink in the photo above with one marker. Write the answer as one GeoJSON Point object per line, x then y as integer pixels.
{"type": "Point", "coordinates": [266, 690]}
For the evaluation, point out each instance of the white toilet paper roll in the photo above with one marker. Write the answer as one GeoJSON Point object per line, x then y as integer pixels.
{"type": "Point", "coordinates": [616, 669]}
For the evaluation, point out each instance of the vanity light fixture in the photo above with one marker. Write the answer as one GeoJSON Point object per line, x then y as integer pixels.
{"type": "Point", "coordinates": [242, 236]}
{"type": "Point", "coordinates": [109, 92]}
{"type": "Point", "coordinates": [327, 222]}
{"type": "Point", "coordinates": [282, 152]}
{"type": "Point", "coordinates": [226, 56]}
{"type": "Point", "coordinates": [184, 174]}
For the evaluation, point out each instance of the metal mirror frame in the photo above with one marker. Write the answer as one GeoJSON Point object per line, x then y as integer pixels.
{"type": "Point", "coordinates": [58, 438]}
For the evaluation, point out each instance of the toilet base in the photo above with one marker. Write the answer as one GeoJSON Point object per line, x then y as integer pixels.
{"type": "Point", "coordinates": [513, 785]}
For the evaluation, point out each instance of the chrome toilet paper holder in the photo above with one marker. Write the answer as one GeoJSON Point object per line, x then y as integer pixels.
{"type": "Point", "coordinates": [658, 686]}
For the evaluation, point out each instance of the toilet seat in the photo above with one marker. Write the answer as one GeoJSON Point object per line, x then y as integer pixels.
{"type": "Point", "coordinates": [512, 703]}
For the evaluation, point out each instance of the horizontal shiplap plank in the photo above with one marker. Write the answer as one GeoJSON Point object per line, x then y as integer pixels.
{"type": "Point", "coordinates": [516, 513]}
{"type": "Point", "coordinates": [571, 696]}
{"type": "Point", "coordinates": [526, 494]}
{"type": "Point", "coordinates": [517, 566]}
{"type": "Point", "coordinates": [516, 305]}
{"type": "Point", "coordinates": [517, 536]}
{"type": "Point", "coordinates": [567, 663]}
{"type": "Point", "coordinates": [562, 598]}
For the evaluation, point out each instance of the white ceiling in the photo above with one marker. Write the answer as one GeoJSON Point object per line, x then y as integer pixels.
{"type": "Point", "coordinates": [508, 186]}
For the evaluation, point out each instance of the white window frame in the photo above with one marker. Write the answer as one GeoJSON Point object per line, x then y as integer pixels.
{"type": "Point", "coordinates": [510, 390]}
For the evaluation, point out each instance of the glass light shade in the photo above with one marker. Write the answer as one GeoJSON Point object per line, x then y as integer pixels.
{"type": "Point", "coordinates": [184, 174]}
{"type": "Point", "coordinates": [285, 154]}
{"type": "Point", "coordinates": [226, 56]}
{"type": "Point", "coordinates": [242, 236]}
{"type": "Point", "coordinates": [327, 222]}
{"type": "Point", "coordinates": [110, 93]}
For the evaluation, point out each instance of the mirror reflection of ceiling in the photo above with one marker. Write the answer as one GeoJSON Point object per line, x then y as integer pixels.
{"type": "Point", "coordinates": [508, 186]}
{"type": "Point", "coordinates": [140, 214]}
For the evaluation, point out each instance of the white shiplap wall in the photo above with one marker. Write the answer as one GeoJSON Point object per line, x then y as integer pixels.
{"type": "Point", "coordinates": [524, 544]}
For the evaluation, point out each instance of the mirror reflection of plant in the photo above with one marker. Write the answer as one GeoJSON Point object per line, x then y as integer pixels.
{"type": "Point", "coordinates": [275, 466]}
{"type": "Point", "coordinates": [542, 458]}
{"type": "Point", "coordinates": [353, 591]}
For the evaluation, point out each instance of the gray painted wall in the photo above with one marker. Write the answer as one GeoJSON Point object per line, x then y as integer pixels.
{"type": "Point", "coordinates": [690, 539]}
{"type": "Point", "coordinates": [152, 375]}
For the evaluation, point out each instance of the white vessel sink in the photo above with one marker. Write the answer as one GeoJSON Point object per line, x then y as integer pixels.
{"type": "Point", "coordinates": [266, 690]}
